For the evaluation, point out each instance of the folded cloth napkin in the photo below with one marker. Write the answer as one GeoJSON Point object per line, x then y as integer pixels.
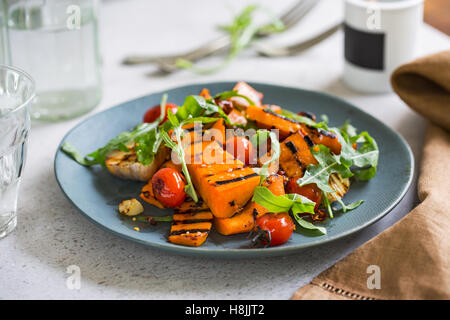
{"type": "Point", "coordinates": [411, 258]}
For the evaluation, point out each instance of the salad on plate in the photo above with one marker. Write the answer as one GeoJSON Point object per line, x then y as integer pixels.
{"type": "Point", "coordinates": [231, 163]}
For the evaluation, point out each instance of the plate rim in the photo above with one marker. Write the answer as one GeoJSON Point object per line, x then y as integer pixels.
{"type": "Point", "coordinates": [240, 253]}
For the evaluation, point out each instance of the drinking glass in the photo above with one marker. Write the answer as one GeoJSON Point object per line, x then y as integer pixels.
{"type": "Point", "coordinates": [16, 94]}
{"type": "Point", "coordinates": [56, 42]}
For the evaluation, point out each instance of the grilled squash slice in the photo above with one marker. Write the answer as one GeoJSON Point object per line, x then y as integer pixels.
{"type": "Point", "coordinates": [320, 136]}
{"type": "Point", "coordinates": [216, 133]}
{"type": "Point", "coordinates": [296, 155]}
{"type": "Point", "coordinates": [223, 182]}
{"type": "Point", "coordinates": [244, 221]}
{"type": "Point", "coordinates": [126, 166]}
{"type": "Point", "coordinates": [191, 224]}
{"type": "Point", "coordinates": [266, 118]}
{"type": "Point", "coordinates": [148, 196]}
{"type": "Point", "coordinates": [205, 93]}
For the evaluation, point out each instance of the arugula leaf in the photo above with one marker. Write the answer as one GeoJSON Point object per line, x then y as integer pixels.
{"type": "Point", "coordinates": [308, 225]}
{"type": "Point", "coordinates": [305, 120]}
{"type": "Point", "coordinates": [77, 156]}
{"type": "Point", "coordinates": [327, 204]}
{"type": "Point", "coordinates": [350, 206]}
{"type": "Point", "coordinates": [168, 218]}
{"type": "Point", "coordinates": [196, 106]}
{"type": "Point", "coordinates": [145, 145]}
{"type": "Point", "coordinates": [284, 203]}
{"type": "Point", "coordinates": [348, 130]}
{"type": "Point", "coordinates": [320, 173]}
{"type": "Point", "coordinates": [143, 135]}
{"type": "Point", "coordinates": [118, 143]}
{"type": "Point", "coordinates": [325, 119]}
{"type": "Point", "coordinates": [364, 159]}
{"type": "Point", "coordinates": [294, 203]}
{"type": "Point", "coordinates": [233, 93]}
{"type": "Point", "coordinates": [242, 32]}
{"type": "Point", "coordinates": [262, 136]}
{"type": "Point", "coordinates": [177, 147]}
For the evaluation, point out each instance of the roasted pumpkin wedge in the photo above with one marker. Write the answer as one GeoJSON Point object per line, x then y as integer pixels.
{"type": "Point", "coordinates": [191, 224]}
{"type": "Point", "coordinates": [267, 119]}
{"type": "Point", "coordinates": [224, 191]}
{"type": "Point", "coordinates": [326, 138]}
{"type": "Point", "coordinates": [216, 133]}
{"type": "Point", "coordinates": [244, 220]}
{"type": "Point", "coordinates": [205, 93]}
{"type": "Point", "coordinates": [148, 196]}
{"type": "Point", "coordinates": [245, 89]}
{"type": "Point", "coordinates": [191, 234]}
{"type": "Point", "coordinates": [223, 182]}
{"type": "Point", "coordinates": [296, 155]}
{"type": "Point", "coordinates": [274, 166]}
{"type": "Point", "coordinates": [126, 166]}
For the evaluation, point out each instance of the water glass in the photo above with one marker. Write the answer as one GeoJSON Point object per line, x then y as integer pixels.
{"type": "Point", "coordinates": [56, 42]}
{"type": "Point", "coordinates": [16, 94]}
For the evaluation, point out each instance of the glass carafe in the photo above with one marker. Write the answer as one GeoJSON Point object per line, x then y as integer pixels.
{"type": "Point", "coordinates": [56, 42]}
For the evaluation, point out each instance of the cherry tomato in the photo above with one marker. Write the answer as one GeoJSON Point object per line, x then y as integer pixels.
{"type": "Point", "coordinates": [154, 112]}
{"type": "Point", "coordinates": [279, 225]}
{"type": "Point", "coordinates": [241, 149]}
{"type": "Point", "coordinates": [168, 187]}
{"type": "Point", "coordinates": [310, 191]}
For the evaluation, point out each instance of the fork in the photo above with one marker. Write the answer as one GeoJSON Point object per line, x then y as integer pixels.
{"type": "Point", "coordinates": [269, 51]}
{"type": "Point", "coordinates": [168, 63]}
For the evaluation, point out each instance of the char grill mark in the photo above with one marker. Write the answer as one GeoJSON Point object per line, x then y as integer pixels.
{"type": "Point", "coordinates": [177, 222]}
{"type": "Point", "coordinates": [192, 211]}
{"type": "Point", "coordinates": [185, 231]}
{"type": "Point", "coordinates": [280, 116]}
{"type": "Point", "coordinates": [308, 115]}
{"type": "Point", "coordinates": [291, 147]}
{"type": "Point", "coordinates": [308, 141]}
{"type": "Point", "coordinates": [223, 182]}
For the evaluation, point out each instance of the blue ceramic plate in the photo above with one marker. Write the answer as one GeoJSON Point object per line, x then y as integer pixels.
{"type": "Point", "coordinates": [97, 194]}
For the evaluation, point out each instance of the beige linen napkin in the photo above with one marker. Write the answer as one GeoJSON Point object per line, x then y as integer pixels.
{"type": "Point", "coordinates": [413, 255]}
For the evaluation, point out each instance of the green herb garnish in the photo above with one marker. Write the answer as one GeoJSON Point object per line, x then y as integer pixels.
{"type": "Point", "coordinates": [293, 203]}
{"type": "Point", "coordinates": [284, 203]}
{"type": "Point", "coordinates": [260, 137]}
{"type": "Point", "coordinates": [361, 163]}
{"type": "Point", "coordinates": [150, 219]}
{"type": "Point", "coordinates": [242, 32]}
{"type": "Point", "coordinates": [144, 137]}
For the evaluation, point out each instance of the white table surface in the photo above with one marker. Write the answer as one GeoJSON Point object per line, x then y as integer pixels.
{"type": "Point", "coordinates": [51, 234]}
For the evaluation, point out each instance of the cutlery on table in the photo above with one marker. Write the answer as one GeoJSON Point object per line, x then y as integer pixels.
{"type": "Point", "coordinates": [168, 63]}
{"type": "Point", "coordinates": [270, 51]}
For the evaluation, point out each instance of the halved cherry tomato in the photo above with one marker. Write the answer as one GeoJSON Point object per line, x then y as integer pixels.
{"type": "Point", "coordinates": [154, 112]}
{"type": "Point", "coordinates": [279, 225]}
{"type": "Point", "coordinates": [168, 187]}
{"type": "Point", "coordinates": [310, 191]}
{"type": "Point", "coordinates": [241, 149]}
